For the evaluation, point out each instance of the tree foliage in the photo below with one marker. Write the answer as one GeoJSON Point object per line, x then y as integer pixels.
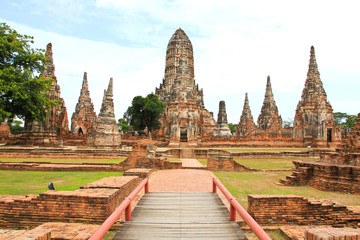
{"type": "Point", "coordinates": [15, 127]}
{"type": "Point", "coordinates": [23, 92]}
{"type": "Point", "coordinates": [344, 120]}
{"type": "Point", "coordinates": [232, 127]}
{"type": "Point", "coordinates": [123, 125]}
{"type": "Point", "coordinates": [144, 112]}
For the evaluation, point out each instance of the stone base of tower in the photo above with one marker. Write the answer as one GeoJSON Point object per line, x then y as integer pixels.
{"type": "Point", "coordinates": [104, 135]}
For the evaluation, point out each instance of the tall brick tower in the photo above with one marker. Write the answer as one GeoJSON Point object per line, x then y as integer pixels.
{"type": "Point", "coordinates": [184, 117]}
{"type": "Point", "coordinates": [269, 116]}
{"type": "Point", "coordinates": [314, 117]}
{"type": "Point", "coordinates": [56, 124]}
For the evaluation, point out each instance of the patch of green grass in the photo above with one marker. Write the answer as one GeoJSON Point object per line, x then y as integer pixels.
{"type": "Point", "coordinates": [269, 163]}
{"type": "Point", "coordinates": [264, 149]}
{"type": "Point", "coordinates": [241, 184]}
{"type": "Point", "coordinates": [203, 161]}
{"type": "Point", "coordinates": [62, 160]}
{"type": "Point", "coordinates": [174, 159]}
{"type": "Point", "coordinates": [35, 182]}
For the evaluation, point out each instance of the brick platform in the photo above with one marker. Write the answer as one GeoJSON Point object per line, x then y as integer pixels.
{"type": "Point", "coordinates": [25, 234]}
{"type": "Point", "coordinates": [332, 234]}
{"type": "Point", "coordinates": [292, 209]}
{"type": "Point", "coordinates": [140, 172]}
{"type": "Point", "coordinates": [93, 203]}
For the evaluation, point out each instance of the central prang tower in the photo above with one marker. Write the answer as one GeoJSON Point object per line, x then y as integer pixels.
{"type": "Point", "coordinates": [185, 117]}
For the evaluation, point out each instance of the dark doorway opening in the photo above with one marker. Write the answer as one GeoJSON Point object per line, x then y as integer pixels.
{"type": "Point", "coordinates": [329, 134]}
{"type": "Point", "coordinates": [80, 132]}
{"type": "Point", "coordinates": [183, 134]}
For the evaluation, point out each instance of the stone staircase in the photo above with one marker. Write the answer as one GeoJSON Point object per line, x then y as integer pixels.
{"type": "Point", "coordinates": [298, 177]}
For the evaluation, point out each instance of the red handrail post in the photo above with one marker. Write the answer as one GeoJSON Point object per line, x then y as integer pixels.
{"type": "Point", "coordinates": [128, 212]}
{"type": "Point", "coordinates": [232, 212]}
{"type": "Point", "coordinates": [214, 185]}
{"type": "Point", "coordinates": [147, 186]}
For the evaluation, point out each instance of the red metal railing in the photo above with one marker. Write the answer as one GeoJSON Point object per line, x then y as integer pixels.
{"type": "Point", "coordinates": [235, 206]}
{"type": "Point", "coordinates": [125, 205]}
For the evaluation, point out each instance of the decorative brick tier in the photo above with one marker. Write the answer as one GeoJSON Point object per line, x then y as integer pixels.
{"type": "Point", "coordinates": [292, 209]}
{"type": "Point", "coordinates": [325, 176]}
{"type": "Point", "coordinates": [93, 203]}
{"type": "Point", "coordinates": [332, 234]}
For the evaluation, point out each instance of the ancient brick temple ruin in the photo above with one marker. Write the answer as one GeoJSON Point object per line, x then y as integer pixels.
{"type": "Point", "coordinates": [246, 126]}
{"type": "Point", "coordinates": [314, 115]}
{"type": "Point", "coordinates": [336, 171]}
{"type": "Point", "coordinates": [184, 118]}
{"type": "Point", "coordinates": [84, 117]}
{"type": "Point", "coordinates": [106, 131]}
{"type": "Point", "coordinates": [222, 128]}
{"type": "Point", "coordinates": [56, 125]}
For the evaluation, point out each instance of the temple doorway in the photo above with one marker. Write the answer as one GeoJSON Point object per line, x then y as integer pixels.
{"type": "Point", "coordinates": [329, 134]}
{"type": "Point", "coordinates": [183, 134]}
{"type": "Point", "coordinates": [80, 132]}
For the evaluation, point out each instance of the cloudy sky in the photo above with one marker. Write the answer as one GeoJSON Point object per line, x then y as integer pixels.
{"type": "Point", "coordinates": [237, 44]}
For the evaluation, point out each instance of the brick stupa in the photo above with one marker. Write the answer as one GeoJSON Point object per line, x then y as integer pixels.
{"type": "Point", "coordinates": [56, 125]}
{"type": "Point", "coordinates": [222, 128]}
{"type": "Point", "coordinates": [246, 126]}
{"type": "Point", "coordinates": [106, 132]}
{"type": "Point", "coordinates": [314, 115]}
{"type": "Point", "coordinates": [84, 117]}
{"type": "Point", "coordinates": [184, 117]}
{"type": "Point", "coordinates": [269, 116]}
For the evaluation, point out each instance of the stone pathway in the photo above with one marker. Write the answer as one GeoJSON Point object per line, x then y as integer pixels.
{"type": "Point", "coordinates": [181, 180]}
{"type": "Point", "coordinates": [191, 163]}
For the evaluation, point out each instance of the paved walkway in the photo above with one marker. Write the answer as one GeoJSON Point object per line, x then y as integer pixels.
{"type": "Point", "coordinates": [181, 180]}
{"type": "Point", "coordinates": [191, 163]}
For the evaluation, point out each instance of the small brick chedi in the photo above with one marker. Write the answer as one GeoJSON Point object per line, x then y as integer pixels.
{"type": "Point", "coordinates": [246, 126]}
{"type": "Point", "coordinates": [314, 115]}
{"type": "Point", "coordinates": [184, 117]}
{"type": "Point", "coordinates": [56, 125]}
{"type": "Point", "coordinates": [106, 131]}
{"type": "Point", "coordinates": [84, 117]}
{"type": "Point", "coordinates": [269, 116]}
{"type": "Point", "coordinates": [222, 128]}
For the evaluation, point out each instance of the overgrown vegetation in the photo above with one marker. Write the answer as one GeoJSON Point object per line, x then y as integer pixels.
{"type": "Point", "coordinates": [62, 160]}
{"type": "Point", "coordinates": [241, 184]}
{"type": "Point", "coordinates": [35, 182]}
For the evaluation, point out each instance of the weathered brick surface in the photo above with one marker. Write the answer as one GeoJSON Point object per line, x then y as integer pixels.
{"type": "Point", "coordinates": [292, 209]}
{"type": "Point", "coordinates": [92, 204]}
{"type": "Point", "coordinates": [140, 172]}
{"type": "Point", "coordinates": [219, 160]}
{"type": "Point", "coordinates": [43, 234]}
{"type": "Point", "coordinates": [332, 234]}
{"type": "Point", "coordinates": [325, 176]}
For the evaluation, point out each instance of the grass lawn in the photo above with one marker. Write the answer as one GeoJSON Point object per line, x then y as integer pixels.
{"type": "Point", "coordinates": [269, 163]}
{"type": "Point", "coordinates": [264, 149]}
{"type": "Point", "coordinates": [62, 160]}
{"type": "Point", "coordinates": [35, 182]}
{"type": "Point", "coordinates": [174, 159]}
{"type": "Point", "coordinates": [203, 161]}
{"type": "Point", "coordinates": [241, 184]}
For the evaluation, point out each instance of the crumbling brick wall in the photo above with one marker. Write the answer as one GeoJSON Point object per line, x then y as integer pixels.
{"type": "Point", "coordinates": [91, 204]}
{"type": "Point", "coordinates": [292, 209]}
{"type": "Point", "coordinates": [219, 160]}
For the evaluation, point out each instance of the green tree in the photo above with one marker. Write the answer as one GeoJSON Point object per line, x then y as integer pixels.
{"type": "Point", "coordinates": [15, 127]}
{"type": "Point", "coordinates": [23, 92]}
{"type": "Point", "coordinates": [232, 127]}
{"type": "Point", "coordinates": [344, 120]}
{"type": "Point", "coordinates": [123, 125]}
{"type": "Point", "coordinates": [145, 112]}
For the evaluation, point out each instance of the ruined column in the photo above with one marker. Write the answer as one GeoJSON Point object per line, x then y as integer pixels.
{"type": "Point", "coordinates": [246, 126]}
{"type": "Point", "coordinates": [222, 128]}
